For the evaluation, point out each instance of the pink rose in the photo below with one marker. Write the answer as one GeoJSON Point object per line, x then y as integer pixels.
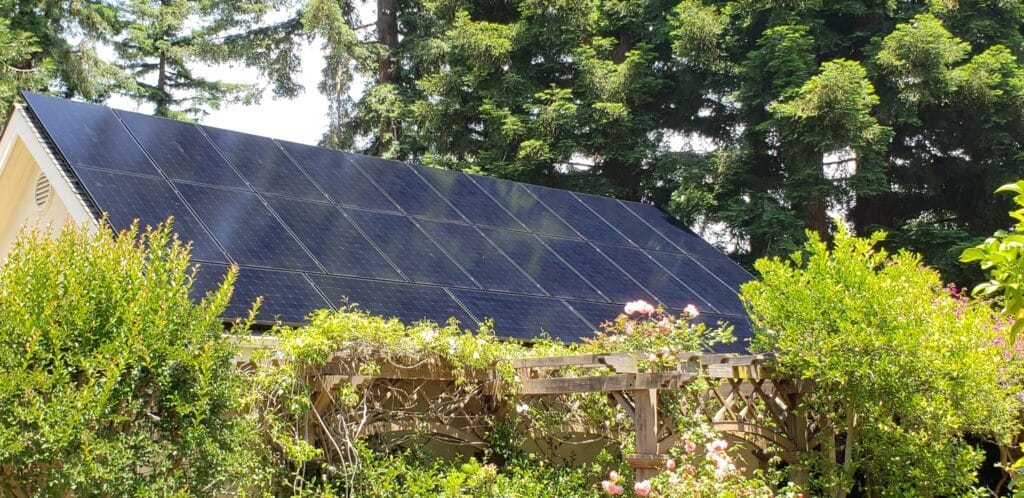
{"type": "Point", "coordinates": [691, 311]}
{"type": "Point", "coordinates": [670, 464]}
{"type": "Point", "coordinates": [689, 446]}
{"type": "Point", "coordinates": [665, 324]}
{"type": "Point", "coordinates": [642, 488]}
{"type": "Point", "coordinates": [639, 307]}
{"type": "Point", "coordinates": [614, 476]}
{"type": "Point", "coordinates": [718, 445]}
{"type": "Point", "coordinates": [611, 488]}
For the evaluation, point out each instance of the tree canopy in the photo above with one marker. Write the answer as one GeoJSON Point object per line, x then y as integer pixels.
{"type": "Point", "coordinates": [753, 120]}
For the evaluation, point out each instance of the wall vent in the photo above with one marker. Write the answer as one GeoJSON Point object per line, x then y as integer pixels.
{"type": "Point", "coordinates": [43, 191]}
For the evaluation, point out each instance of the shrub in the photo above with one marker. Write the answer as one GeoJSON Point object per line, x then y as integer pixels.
{"type": "Point", "coordinates": [114, 382]}
{"type": "Point", "coordinates": [903, 367]}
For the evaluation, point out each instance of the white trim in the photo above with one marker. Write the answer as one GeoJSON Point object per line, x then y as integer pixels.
{"type": "Point", "coordinates": [62, 186]}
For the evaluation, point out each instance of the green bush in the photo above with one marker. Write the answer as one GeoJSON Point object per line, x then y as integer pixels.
{"type": "Point", "coordinates": [903, 367]}
{"type": "Point", "coordinates": [114, 382]}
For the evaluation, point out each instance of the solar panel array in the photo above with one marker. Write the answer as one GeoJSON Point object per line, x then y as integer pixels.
{"type": "Point", "coordinates": [310, 226]}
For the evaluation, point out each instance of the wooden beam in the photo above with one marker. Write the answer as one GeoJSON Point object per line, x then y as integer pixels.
{"type": "Point", "coordinates": [606, 383]}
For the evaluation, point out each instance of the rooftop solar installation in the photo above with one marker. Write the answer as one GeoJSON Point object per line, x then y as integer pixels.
{"type": "Point", "coordinates": [312, 228]}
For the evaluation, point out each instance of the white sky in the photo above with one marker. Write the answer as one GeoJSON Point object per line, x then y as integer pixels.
{"type": "Point", "coordinates": [302, 119]}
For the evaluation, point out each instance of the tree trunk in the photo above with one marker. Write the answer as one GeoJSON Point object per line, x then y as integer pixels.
{"type": "Point", "coordinates": [387, 35]}
{"type": "Point", "coordinates": [815, 215]}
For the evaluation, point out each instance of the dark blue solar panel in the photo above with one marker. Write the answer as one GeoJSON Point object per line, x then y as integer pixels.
{"type": "Point", "coordinates": [406, 188]}
{"type": "Point", "coordinates": [89, 135]}
{"type": "Point", "coordinates": [263, 164]}
{"type": "Point", "coordinates": [246, 228]}
{"type": "Point", "coordinates": [407, 302]}
{"type": "Point", "coordinates": [543, 265]}
{"type": "Point", "coordinates": [570, 209]}
{"type": "Point", "coordinates": [742, 331]}
{"type": "Point", "coordinates": [410, 249]}
{"type": "Point", "coordinates": [659, 282]}
{"type": "Point", "coordinates": [333, 239]}
{"type": "Point", "coordinates": [673, 230]}
{"type": "Point", "coordinates": [180, 150]}
{"type": "Point", "coordinates": [479, 257]}
{"type": "Point", "coordinates": [624, 221]}
{"type": "Point", "coordinates": [524, 206]}
{"type": "Point", "coordinates": [731, 273]}
{"type": "Point", "coordinates": [611, 281]}
{"type": "Point", "coordinates": [524, 317]}
{"type": "Point", "coordinates": [467, 197]}
{"type": "Point", "coordinates": [287, 296]}
{"type": "Point", "coordinates": [596, 313]}
{"type": "Point", "coordinates": [336, 174]}
{"type": "Point", "coordinates": [686, 269]}
{"type": "Point", "coordinates": [150, 200]}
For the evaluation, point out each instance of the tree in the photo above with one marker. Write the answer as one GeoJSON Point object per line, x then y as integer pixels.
{"type": "Point", "coordinates": [115, 382]}
{"type": "Point", "coordinates": [938, 93]}
{"type": "Point", "coordinates": [903, 367]}
{"type": "Point", "coordinates": [15, 47]}
{"type": "Point", "coordinates": [163, 39]}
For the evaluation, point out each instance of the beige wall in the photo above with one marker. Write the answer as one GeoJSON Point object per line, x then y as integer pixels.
{"type": "Point", "coordinates": [17, 198]}
{"type": "Point", "coordinates": [23, 157]}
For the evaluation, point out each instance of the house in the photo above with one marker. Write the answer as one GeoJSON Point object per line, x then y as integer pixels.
{"type": "Point", "coordinates": [311, 228]}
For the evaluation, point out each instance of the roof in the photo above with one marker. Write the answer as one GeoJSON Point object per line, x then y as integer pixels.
{"type": "Point", "coordinates": [310, 226]}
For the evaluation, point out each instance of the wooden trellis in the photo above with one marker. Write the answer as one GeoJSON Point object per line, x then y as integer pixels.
{"type": "Point", "coordinates": [750, 401]}
{"type": "Point", "coordinates": [746, 400]}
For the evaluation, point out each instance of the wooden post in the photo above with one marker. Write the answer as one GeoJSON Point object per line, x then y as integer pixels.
{"type": "Point", "coordinates": [647, 462]}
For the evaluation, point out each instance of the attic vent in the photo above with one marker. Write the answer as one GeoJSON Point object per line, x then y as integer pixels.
{"type": "Point", "coordinates": [42, 192]}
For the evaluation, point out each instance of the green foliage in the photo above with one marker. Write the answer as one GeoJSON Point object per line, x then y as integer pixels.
{"type": "Point", "coordinates": [407, 474]}
{"type": "Point", "coordinates": [115, 383]}
{"type": "Point", "coordinates": [1001, 257]}
{"type": "Point", "coordinates": [903, 368]}
{"type": "Point", "coordinates": [15, 47]}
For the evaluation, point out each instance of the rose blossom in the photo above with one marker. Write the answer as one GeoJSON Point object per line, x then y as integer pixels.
{"type": "Point", "coordinates": [642, 488]}
{"type": "Point", "coordinates": [670, 464]}
{"type": "Point", "coordinates": [611, 488]}
{"type": "Point", "coordinates": [691, 311]}
{"type": "Point", "coordinates": [639, 307]}
{"type": "Point", "coordinates": [718, 445]}
{"type": "Point", "coordinates": [689, 446]}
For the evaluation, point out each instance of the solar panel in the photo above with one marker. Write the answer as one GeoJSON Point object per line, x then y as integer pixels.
{"type": "Point", "coordinates": [684, 268]}
{"type": "Point", "coordinates": [246, 228]}
{"type": "Point", "coordinates": [488, 266]}
{"type": "Point", "coordinates": [523, 316]}
{"type": "Point", "coordinates": [616, 285]}
{"type": "Point", "coordinates": [596, 313]}
{"type": "Point", "coordinates": [180, 150]}
{"type": "Point", "coordinates": [570, 209]}
{"type": "Point", "coordinates": [544, 266]}
{"type": "Point", "coordinates": [287, 296]}
{"type": "Point", "coordinates": [263, 164]}
{"type": "Point", "coordinates": [467, 197]}
{"type": "Point", "coordinates": [732, 274]}
{"type": "Point", "coordinates": [407, 302]}
{"type": "Point", "coordinates": [97, 139]}
{"type": "Point", "coordinates": [337, 176]}
{"type": "Point", "coordinates": [401, 240]}
{"type": "Point", "coordinates": [665, 288]}
{"type": "Point", "coordinates": [625, 222]}
{"type": "Point", "coordinates": [151, 201]}
{"type": "Point", "coordinates": [410, 249]}
{"type": "Point", "coordinates": [524, 206]}
{"type": "Point", "coordinates": [333, 239]}
{"type": "Point", "coordinates": [680, 235]}
{"type": "Point", "coordinates": [406, 188]}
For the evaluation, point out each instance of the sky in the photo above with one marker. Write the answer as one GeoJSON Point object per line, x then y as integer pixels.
{"type": "Point", "coordinates": [302, 119]}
